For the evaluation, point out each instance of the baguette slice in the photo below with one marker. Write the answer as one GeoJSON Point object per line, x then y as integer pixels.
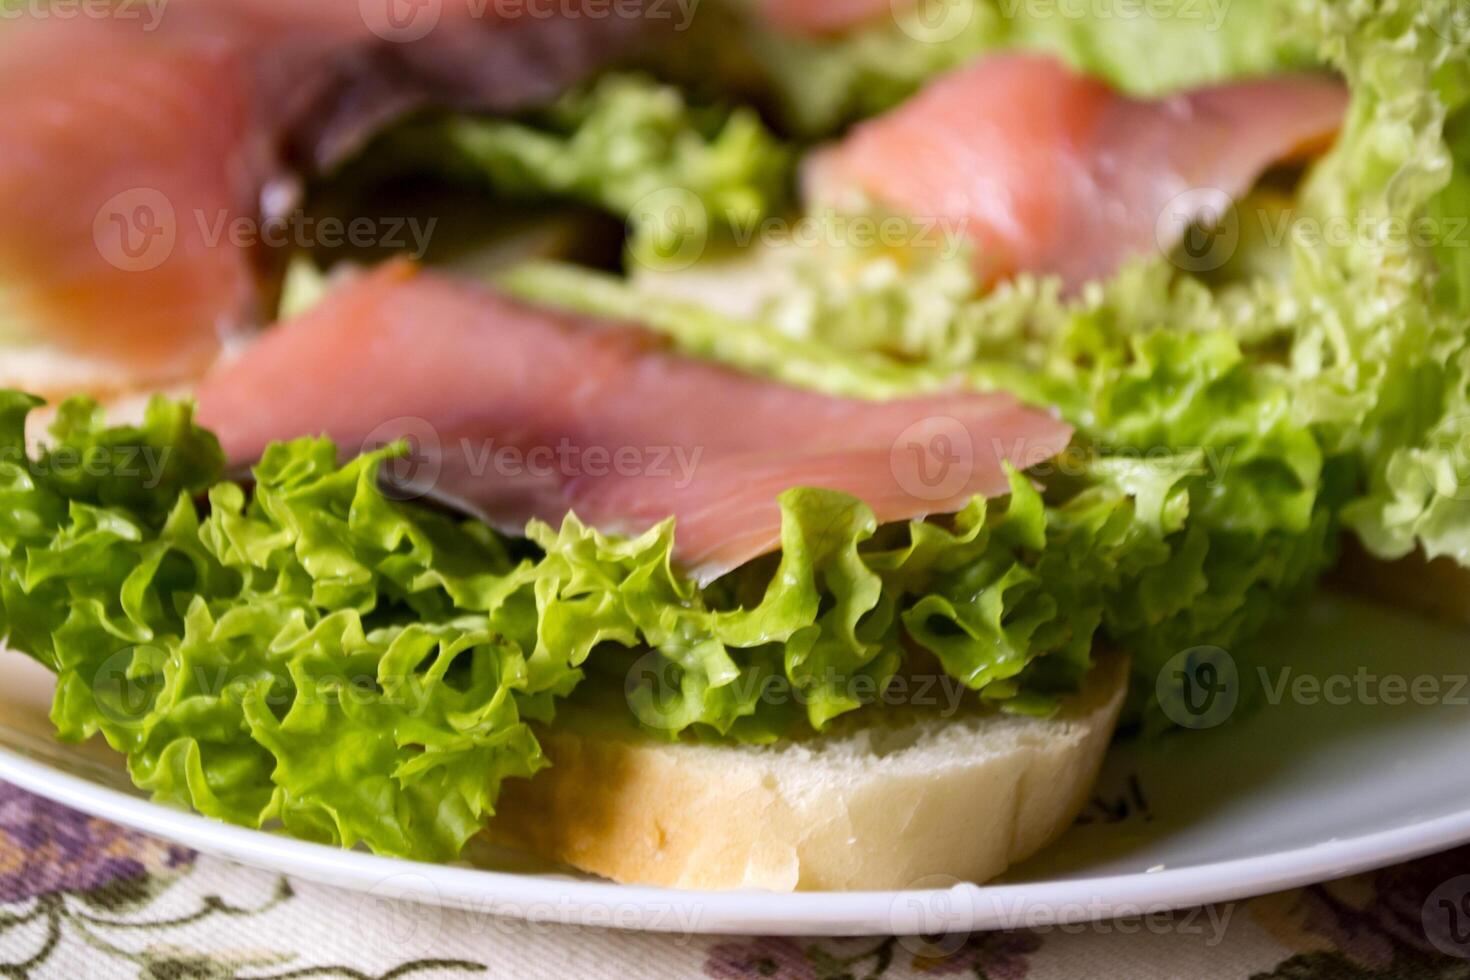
{"type": "Point", "coordinates": [912, 794]}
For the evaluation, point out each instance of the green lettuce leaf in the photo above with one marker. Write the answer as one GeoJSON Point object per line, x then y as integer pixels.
{"type": "Point", "coordinates": [627, 145]}
{"type": "Point", "coordinates": [1384, 352]}
{"type": "Point", "coordinates": [315, 658]}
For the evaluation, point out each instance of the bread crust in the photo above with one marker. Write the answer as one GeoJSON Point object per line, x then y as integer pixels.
{"type": "Point", "coordinates": [875, 808]}
{"type": "Point", "coordinates": [1438, 588]}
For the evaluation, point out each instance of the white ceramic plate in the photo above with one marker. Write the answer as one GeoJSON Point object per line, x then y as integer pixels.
{"type": "Point", "coordinates": [1353, 758]}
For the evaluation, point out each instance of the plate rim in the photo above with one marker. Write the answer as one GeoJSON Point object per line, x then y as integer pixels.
{"type": "Point", "coordinates": [955, 908]}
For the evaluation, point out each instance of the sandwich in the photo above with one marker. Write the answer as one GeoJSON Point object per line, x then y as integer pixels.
{"type": "Point", "coordinates": [802, 443]}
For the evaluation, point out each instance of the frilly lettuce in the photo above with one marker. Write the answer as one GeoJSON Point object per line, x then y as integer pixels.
{"type": "Point", "coordinates": [315, 659]}
{"type": "Point", "coordinates": [311, 655]}
{"type": "Point", "coordinates": [1383, 347]}
{"type": "Point", "coordinates": [625, 144]}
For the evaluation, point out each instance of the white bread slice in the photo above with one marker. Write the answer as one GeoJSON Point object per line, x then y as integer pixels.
{"type": "Point", "coordinates": [915, 793]}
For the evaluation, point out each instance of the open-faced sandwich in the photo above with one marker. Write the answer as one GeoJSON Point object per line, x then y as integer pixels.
{"type": "Point", "coordinates": [748, 445]}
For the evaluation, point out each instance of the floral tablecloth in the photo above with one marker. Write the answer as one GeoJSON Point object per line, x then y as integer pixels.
{"type": "Point", "coordinates": [81, 898]}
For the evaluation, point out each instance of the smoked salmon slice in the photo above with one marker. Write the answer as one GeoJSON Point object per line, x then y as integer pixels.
{"type": "Point", "coordinates": [1055, 173]}
{"type": "Point", "coordinates": [131, 152]}
{"type": "Point", "coordinates": [110, 145]}
{"type": "Point", "coordinates": [516, 412]}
